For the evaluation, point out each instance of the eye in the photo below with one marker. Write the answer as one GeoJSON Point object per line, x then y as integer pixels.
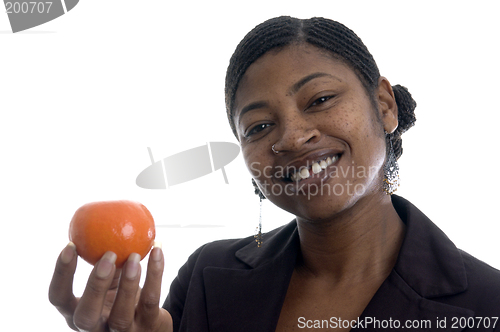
{"type": "Point", "coordinates": [257, 129]}
{"type": "Point", "coordinates": [321, 100]}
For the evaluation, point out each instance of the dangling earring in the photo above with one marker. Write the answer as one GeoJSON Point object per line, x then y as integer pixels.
{"type": "Point", "coordinates": [258, 231]}
{"type": "Point", "coordinates": [391, 170]}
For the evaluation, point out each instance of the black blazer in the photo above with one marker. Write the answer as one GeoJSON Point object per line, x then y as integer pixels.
{"type": "Point", "coordinates": [232, 285]}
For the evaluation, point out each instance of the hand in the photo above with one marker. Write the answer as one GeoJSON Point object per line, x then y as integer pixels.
{"type": "Point", "coordinates": [112, 300]}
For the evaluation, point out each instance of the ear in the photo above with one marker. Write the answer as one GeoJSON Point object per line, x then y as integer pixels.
{"type": "Point", "coordinates": [388, 108]}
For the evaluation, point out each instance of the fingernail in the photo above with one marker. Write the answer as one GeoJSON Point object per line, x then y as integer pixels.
{"type": "Point", "coordinates": [132, 268]}
{"type": "Point", "coordinates": [156, 253]}
{"type": "Point", "coordinates": [105, 265]}
{"type": "Point", "coordinates": [68, 253]}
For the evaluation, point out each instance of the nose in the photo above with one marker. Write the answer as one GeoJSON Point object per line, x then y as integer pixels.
{"type": "Point", "coordinates": [296, 131]}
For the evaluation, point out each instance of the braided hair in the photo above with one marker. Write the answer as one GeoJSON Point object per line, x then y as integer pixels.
{"type": "Point", "coordinates": [340, 42]}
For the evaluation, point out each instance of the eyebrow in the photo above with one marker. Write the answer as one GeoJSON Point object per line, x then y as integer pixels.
{"type": "Point", "coordinates": [252, 106]}
{"type": "Point", "coordinates": [296, 87]}
{"type": "Point", "coordinates": [293, 90]}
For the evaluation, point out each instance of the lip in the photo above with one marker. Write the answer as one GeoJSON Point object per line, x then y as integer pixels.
{"type": "Point", "coordinates": [308, 159]}
{"type": "Point", "coordinates": [315, 180]}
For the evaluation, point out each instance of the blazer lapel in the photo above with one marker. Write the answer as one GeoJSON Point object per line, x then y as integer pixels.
{"type": "Point", "coordinates": [396, 304]}
{"type": "Point", "coordinates": [429, 266]}
{"type": "Point", "coordinates": [428, 259]}
{"type": "Point", "coordinates": [251, 299]}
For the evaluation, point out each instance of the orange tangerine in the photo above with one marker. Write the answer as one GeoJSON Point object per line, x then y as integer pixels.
{"type": "Point", "coordinates": [123, 227]}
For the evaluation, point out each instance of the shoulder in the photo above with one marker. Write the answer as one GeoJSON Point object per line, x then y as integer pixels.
{"type": "Point", "coordinates": [483, 285]}
{"type": "Point", "coordinates": [188, 287]}
{"type": "Point", "coordinates": [243, 253]}
{"type": "Point", "coordinates": [219, 253]}
{"type": "Point", "coordinates": [184, 300]}
{"type": "Point", "coordinates": [232, 253]}
{"type": "Point", "coordinates": [479, 271]}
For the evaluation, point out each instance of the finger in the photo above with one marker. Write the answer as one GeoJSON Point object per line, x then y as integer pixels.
{"type": "Point", "coordinates": [111, 294]}
{"type": "Point", "coordinates": [149, 301]}
{"type": "Point", "coordinates": [121, 317]}
{"type": "Point", "coordinates": [89, 309]}
{"type": "Point", "coordinates": [61, 287]}
{"type": "Point", "coordinates": [116, 279]}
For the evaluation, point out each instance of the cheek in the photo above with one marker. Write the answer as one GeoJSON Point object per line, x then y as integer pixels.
{"type": "Point", "coordinates": [368, 154]}
{"type": "Point", "coordinates": [358, 120]}
{"type": "Point", "coordinates": [258, 163]}
{"type": "Point", "coordinates": [355, 123]}
{"type": "Point", "coordinates": [343, 122]}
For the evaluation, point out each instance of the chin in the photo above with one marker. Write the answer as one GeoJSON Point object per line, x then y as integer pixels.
{"type": "Point", "coordinates": [317, 208]}
{"type": "Point", "coordinates": [327, 205]}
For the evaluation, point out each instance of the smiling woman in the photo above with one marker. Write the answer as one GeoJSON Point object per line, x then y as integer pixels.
{"type": "Point", "coordinates": [320, 132]}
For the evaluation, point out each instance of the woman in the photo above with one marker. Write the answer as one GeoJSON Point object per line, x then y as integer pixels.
{"type": "Point", "coordinates": [320, 133]}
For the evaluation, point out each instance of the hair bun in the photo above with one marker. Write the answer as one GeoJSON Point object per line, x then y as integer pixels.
{"type": "Point", "coordinates": [406, 109]}
{"type": "Point", "coordinates": [406, 116]}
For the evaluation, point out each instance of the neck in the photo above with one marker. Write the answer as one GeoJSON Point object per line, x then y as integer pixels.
{"type": "Point", "coordinates": [358, 245]}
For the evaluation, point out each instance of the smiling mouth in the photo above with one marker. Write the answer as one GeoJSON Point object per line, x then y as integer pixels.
{"type": "Point", "coordinates": [305, 172]}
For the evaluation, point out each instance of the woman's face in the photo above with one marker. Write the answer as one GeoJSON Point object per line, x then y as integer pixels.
{"type": "Point", "coordinates": [316, 113]}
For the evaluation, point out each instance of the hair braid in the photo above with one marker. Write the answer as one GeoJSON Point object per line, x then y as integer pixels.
{"type": "Point", "coordinates": [345, 45]}
{"type": "Point", "coordinates": [273, 33]}
{"type": "Point", "coordinates": [340, 42]}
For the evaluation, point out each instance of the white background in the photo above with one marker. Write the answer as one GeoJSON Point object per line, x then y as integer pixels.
{"type": "Point", "coordinates": [83, 96]}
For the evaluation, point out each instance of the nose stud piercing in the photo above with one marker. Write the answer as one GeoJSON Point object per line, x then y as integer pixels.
{"type": "Point", "coordinates": [275, 151]}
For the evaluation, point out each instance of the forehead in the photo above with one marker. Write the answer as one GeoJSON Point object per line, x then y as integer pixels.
{"type": "Point", "coordinates": [279, 69]}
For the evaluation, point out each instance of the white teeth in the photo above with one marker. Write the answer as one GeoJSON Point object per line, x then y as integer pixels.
{"type": "Point", "coordinates": [316, 168]}
{"type": "Point", "coordinates": [304, 173]}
